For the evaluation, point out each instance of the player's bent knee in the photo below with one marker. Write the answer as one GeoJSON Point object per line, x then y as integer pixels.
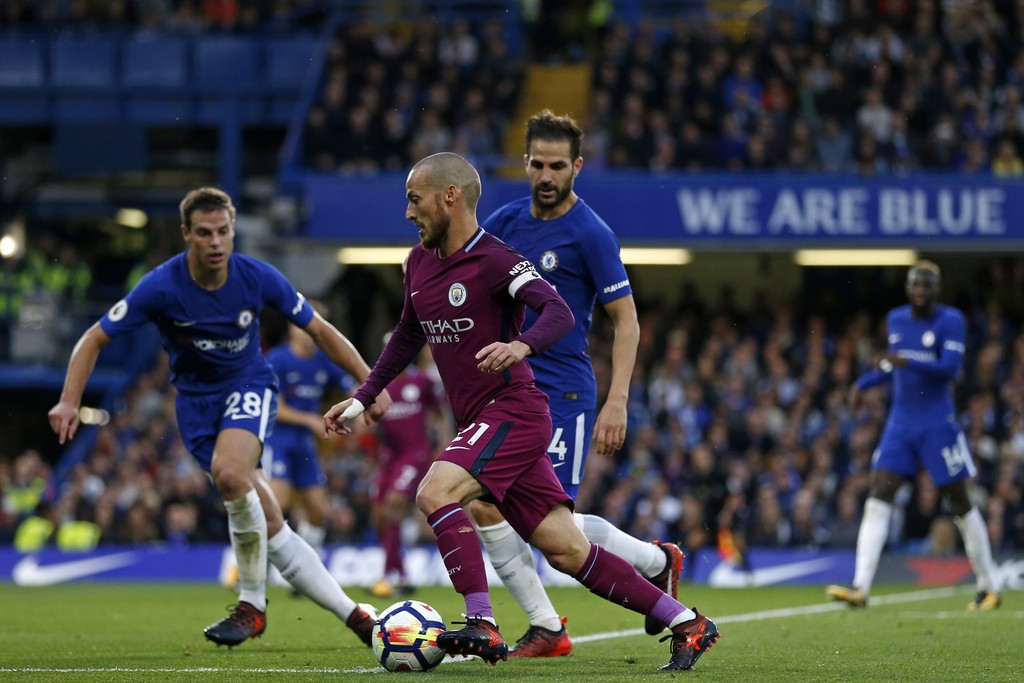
{"type": "Point", "coordinates": [485, 514]}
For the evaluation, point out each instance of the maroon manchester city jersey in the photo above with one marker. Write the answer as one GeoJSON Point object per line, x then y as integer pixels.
{"type": "Point", "coordinates": [460, 304]}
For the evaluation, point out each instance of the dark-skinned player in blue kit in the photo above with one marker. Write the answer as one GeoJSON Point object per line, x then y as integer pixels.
{"type": "Point", "coordinates": [465, 295]}
{"type": "Point", "coordinates": [925, 354]}
{"type": "Point", "coordinates": [206, 304]}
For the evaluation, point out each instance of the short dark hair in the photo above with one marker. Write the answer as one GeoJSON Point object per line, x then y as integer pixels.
{"type": "Point", "coordinates": [924, 267]}
{"type": "Point", "coordinates": [545, 125]}
{"type": "Point", "coordinates": [205, 199]}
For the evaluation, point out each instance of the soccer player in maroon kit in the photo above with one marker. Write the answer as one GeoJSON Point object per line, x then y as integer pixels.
{"type": "Point", "coordinates": [465, 295]}
{"type": "Point", "coordinates": [417, 420]}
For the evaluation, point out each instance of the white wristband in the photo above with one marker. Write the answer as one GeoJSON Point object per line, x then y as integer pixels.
{"type": "Point", "coordinates": [355, 409]}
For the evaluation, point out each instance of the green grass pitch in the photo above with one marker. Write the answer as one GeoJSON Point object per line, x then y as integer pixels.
{"type": "Point", "coordinates": [153, 632]}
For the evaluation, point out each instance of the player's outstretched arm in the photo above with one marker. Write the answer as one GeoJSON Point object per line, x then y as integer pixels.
{"type": "Point", "coordinates": [64, 415]}
{"type": "Point", "coordinates": [343, 354]}
{"type": "Point", "coordinates": [610, 427]}
{"type": "Point", "coordinates": [288, 415]}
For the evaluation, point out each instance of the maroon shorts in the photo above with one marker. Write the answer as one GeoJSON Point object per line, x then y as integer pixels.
{"type": "Point", "coordinates": [506, 451]}
{"type": "Point", "coordinates": [401, 473]}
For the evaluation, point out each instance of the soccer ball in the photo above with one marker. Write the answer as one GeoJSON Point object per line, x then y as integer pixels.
{"type": "Point", "coordinates": [405, 637]}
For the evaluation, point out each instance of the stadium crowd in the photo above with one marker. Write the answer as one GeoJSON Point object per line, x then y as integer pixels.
{"type": "Point", "coordinates": [739, 426]}
{"type": "Point", "coordinates": [877, 88]}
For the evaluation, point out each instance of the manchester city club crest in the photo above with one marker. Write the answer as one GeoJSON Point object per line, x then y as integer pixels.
{"type": "Point", "coordinates": [457, 294]}
{"type": "Point", "coordinates": [549, 260]}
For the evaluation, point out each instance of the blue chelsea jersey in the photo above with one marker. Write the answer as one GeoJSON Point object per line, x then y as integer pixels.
{"type": "Point", "coordinates": [304, 381]}
{"type": "Point", "coordinates": [934, 349]}
{"type": "Point", "coordinates": [211, 337]}
{"type": "Point", "coordinates": [579, 255]}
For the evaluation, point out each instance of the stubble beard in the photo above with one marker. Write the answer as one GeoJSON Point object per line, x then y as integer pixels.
{"type": "Point", "coordinates": [561, 195]}
{"type": "Point", "coordinates": [436, 236]}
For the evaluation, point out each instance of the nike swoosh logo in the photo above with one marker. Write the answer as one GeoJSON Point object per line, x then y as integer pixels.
{"type": "Point", "coordinates": [445, 556]}
{"type": "Point", "coordinates": [237, 416]}
{"type": "Point", "coordinates": [412, 294]}
{"type": "Point", "coordinates": [555, 465]}
{"type": "Point", "coordinates": [184, 323]}
{"type": "Point", "coordinates": [28, 572]}
{"type": "Point", "coordinates": [457, 448]}
{"type": "Point", "coordinates": [727, 576]}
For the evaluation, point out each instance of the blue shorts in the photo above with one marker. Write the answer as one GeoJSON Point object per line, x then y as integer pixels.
{"type": "Point", "coordinates": [570, 442]}
{"type": "Point", "coordinates": [249, 405]}
{"type": "Point", "coordinates": [290, 454]}
{"type": "Point", "coordinates": [940, 447]}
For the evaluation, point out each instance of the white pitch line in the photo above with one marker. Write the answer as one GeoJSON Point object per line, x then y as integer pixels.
{"type": "Point", "coordinates": [894, 599]}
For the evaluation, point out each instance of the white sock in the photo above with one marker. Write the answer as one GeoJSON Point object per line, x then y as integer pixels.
{"type": "Point", "coordinates": [248, 527]}
{"type": "Point", "coordinates": [648, 558]}
{"type": "Point", "coordinates": [874, 529]}
{"type": "Point", "coordinates": [512, 559]}
{"type": "Point", "coordinates": [979, 550]}
{"type": "Point", "coordinates": [302, 568]}
{"type": "Point", "coordinates": [313, 535]}
{"type": "Point", "coordinates": [686, 615]}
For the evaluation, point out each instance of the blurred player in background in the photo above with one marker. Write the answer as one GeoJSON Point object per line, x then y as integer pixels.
{"type": "Point", "coordinates": [411, 431]}
{"type": "Point", "coordinates": [290, 455]}
{"type": "Point", "coordinates": [206, 303]}
{"type": "Point", "coordinates": [926, 352]}
{"type": "Point", "coordinates": [578, 254]}
{"type": "Point", "coordinates": [465, 294]}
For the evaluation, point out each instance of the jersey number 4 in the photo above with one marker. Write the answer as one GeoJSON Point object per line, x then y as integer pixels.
{"type": "Point", "coordinates": [956, 455]}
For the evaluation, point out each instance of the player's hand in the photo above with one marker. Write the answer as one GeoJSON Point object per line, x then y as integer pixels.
{"type": "Point", "coordinates": [377, 410]}
{"type": "Point", "coordinates": [64, 421]}
{"type": "Point", "coordinates": [498, 357]}
{"type": "Point", "coordinates": [610, 428]}
{"type": "Point", "coordinates": [895, 359]}
{"type": "Point", "coordinates": [339, 414]}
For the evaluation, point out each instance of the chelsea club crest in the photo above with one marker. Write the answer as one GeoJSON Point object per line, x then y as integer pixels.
{"type": "Point", "coordinates": [549, 260]}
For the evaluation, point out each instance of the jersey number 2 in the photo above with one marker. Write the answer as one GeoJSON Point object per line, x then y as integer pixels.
{"type": "Point", "coordinates": [241, 406]}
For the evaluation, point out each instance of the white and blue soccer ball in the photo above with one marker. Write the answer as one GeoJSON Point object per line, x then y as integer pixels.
{"type": "Point", "coordinates": [405, 637]}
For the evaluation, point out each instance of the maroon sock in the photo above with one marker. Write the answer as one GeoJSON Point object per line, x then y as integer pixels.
{"type": "Point", "coordinates": [390, 540]}
{"type": "Point", "coordinates": [460, 549]}
{"type": "Point", "coordinates": [610, 577]}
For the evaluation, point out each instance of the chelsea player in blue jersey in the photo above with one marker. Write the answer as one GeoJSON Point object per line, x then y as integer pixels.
{"type": "Point", "coordinates": [925, 354]}
{"type": "Point", "coordinates": [206, 303]}
{"type": "Point", "coordinates": [290, 456]}
{"type": "Point", "coordinates": [578, 253]}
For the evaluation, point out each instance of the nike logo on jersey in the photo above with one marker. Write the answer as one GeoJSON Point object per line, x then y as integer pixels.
{"type": "Point", "coordinates": [557, 464]}
{"type": "Point", "coordinates": [895, 338]}
{"type": "Point", "coordinates": [28, 572]}
{"type": "Point", "coordinates": [412, 294]}
{"type": "Point", "coordinates": [457, 448]}
{"type": "Point", "coordinates": [184, 323]}
{"type": "Point", "coordinates": [242, 416]}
